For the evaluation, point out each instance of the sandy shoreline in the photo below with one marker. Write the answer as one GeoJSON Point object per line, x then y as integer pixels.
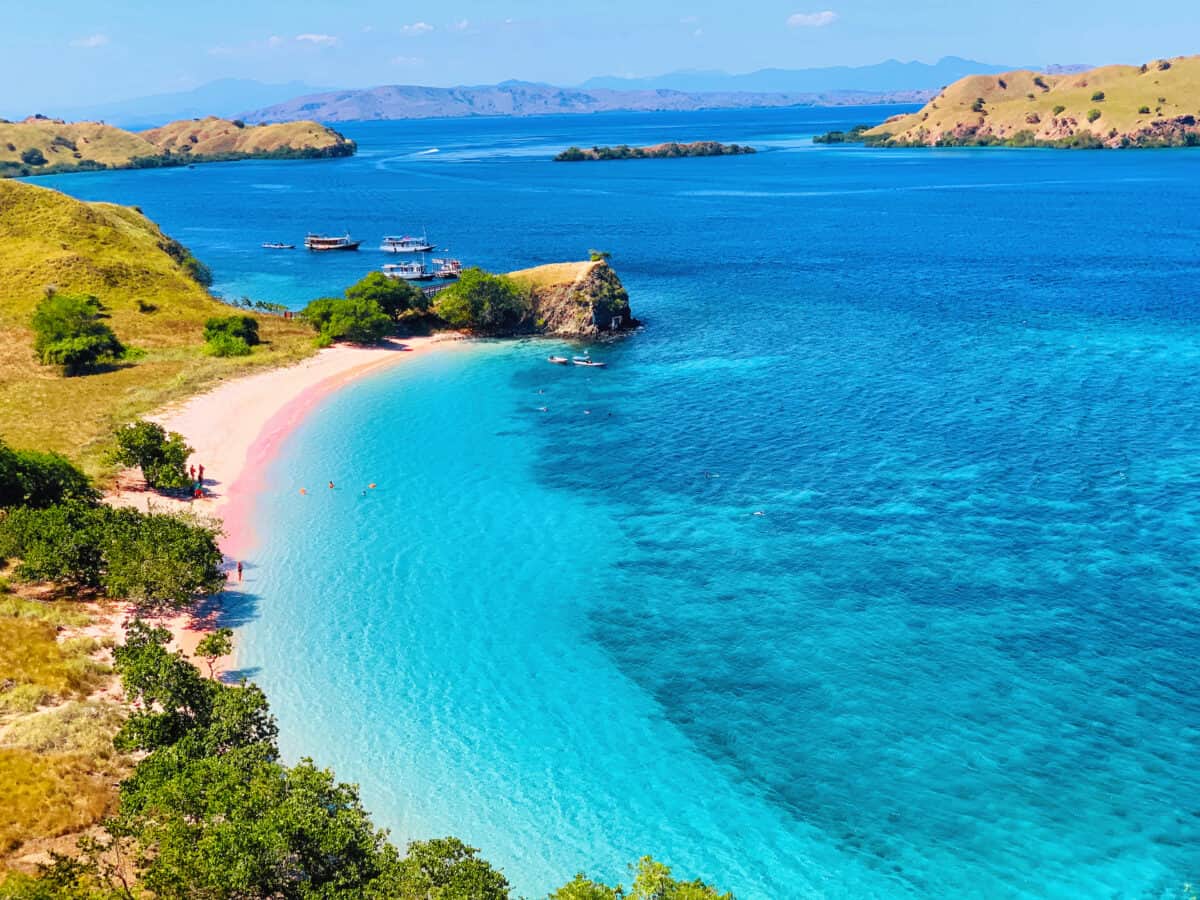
{"type": "Point", "coordinates": [235, 431]}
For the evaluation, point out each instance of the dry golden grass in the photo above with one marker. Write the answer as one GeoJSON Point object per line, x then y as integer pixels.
{"type": "Point", "coordinates": [1010, 108]}
{"type": "Point", "coordinates": [47, 795]}
{"type": "Point", "coordinates": [69, 144]}
{"type": "Point", "coordinates": [119, 256]}
{"type": "Point", "coordinates": [213, 135]}
{"type": "Point", "coordinates": [91, 140]}
{"type": "Point", "coordinates": [553, 274]}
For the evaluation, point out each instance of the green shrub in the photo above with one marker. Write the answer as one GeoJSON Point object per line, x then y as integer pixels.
{"type": "Point", "coordinates": [33, 157]}
{"type": "Point", "coordinates": [30, 478]}
{"type": "Point", "coordinates": [1098, 97]}
{"type": "Point", "coordinates": [226, 345]}
{"type": "Point", "coordinates": [1143, 110]}
{"type": "Point", "coordinates": [1058, 110]}
{"type": "Point", "coordinates": [1093, 115]}
{"type": "Point", "coordinates": [483, 302]}
{"type": "Point", "coordinates": [977, 106]}
{"type": "Point", "coordinates": [395, 296]}
{"type": "Point", "coordinates": [231, 335]}
{"type": "Point", "coordinates": [162, 457]}
{"type": "Point", "coordinates": [68, 332]}
{"type": "Point", "coordinates": [359, 321]}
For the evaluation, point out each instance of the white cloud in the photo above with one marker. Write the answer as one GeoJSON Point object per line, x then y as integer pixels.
{"type": "Point", "coordinates": [407, 61]}
{"type": "Point", "coordinates": [318, 40]}
{"type": "Point", "coordinates": [812, 20]}
{"type": "Point", "coordinates": [275, 41]}
{"type": "Point", "coordinates": [90, 42]}
{"type": "Point", "coordinates": [416, 28]}
{"type": "Point", "coordinates": [460, 25]}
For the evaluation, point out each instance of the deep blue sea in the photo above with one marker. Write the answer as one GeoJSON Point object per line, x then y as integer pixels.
{"type": "Point", "coordinates": [956, 655]}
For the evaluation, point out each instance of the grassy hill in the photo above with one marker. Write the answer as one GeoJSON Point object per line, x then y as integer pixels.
{"type": "Point", "coordinates": [1154, 105]}
{"type": "Point", "coordinates": [121, 257]}
{"type": "Point", "coordinates": [577, 299]}
{"type": "Point", "coordinates": [39, 146]}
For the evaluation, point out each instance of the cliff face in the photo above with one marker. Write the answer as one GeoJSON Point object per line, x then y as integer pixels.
{"type": "Point", "coordinates": [1112, 106]}
{"type": "Point", "coordinates": [577, 300]}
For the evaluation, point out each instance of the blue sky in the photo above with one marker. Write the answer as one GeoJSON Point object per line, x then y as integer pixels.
{"type": "Point", "coordinates": [99, 51]}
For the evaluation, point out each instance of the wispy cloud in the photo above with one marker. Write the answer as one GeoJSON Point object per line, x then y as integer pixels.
{"type": "Point", "coordinates": [460, 25]}
{"type": "Point", "coordinates": [812, 20]}
{"type": "Point", "coordinates": [90, 42]}
{"type": "Point", "coordinates": [276, 41]}
{"type": "Point", "coordinates": [416, 28]}
{"type": "Point", "coordinates": [317, 40]}
{"type": "Point", "coordinates": [408, 61]}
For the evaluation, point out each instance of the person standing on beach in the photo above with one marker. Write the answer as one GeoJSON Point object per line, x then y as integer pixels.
{"type": "Point", "coordinates": [192, 472]}
{"type": "Point", "coordinates": [239, 571]}
{"type": "Point", "coordinates": [202, 474]}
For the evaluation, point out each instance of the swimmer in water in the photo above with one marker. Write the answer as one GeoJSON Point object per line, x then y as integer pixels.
{"type": "Point", "coordinates": [331, 485]}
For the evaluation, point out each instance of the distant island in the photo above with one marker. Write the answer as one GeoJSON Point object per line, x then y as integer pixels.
{"type": "Point", "coordinates": [43, 146]}
{"type": "Point", "coordinates": [1153, 105]}
{"type": "Point", "coordinates": [669, 150]}
{"type": "Point", "coordinates": [412, 101]}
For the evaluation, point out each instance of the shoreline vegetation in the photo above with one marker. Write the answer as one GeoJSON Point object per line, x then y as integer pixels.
{"type": "Point", "coordinates": [131, 773]}
{"type": "Point", "coordinates": [1152, 106]}
{"type": "Point", "coordinates": [670, 150]}
{"type": "Point", "coordinates": [42, 146]}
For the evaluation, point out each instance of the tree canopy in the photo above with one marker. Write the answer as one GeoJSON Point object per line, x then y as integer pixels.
{"type": "Point", "coordinates": [359, 321]}
{"type": "Point", "coordinates": [32, 478]}
{"type": "Point", "coordinates": [483, 302]}
{"type": "Point", "coordinates": [161, 456]}
{"type": "Point", "coordinates": [157, 561]}
{"type": "Point", "coordinates": [395, 296]}
{"type": "Point", "coordinates": [68, 332]}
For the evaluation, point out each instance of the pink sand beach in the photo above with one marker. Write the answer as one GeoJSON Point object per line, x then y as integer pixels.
{"type": "Point", "coordinates": [235, 431]}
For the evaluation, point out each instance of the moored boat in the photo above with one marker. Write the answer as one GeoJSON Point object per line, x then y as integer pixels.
{"type": "Point", "coordinates": [278, 245]}
{"type": "Point", "coordinates": [447, 269]}
{"type": "Point", "coordinates": [409, 271]}
{"type": "Point", "coordinates": [406, 244]}
{"type": "Point", "coordinates": [588, 362]}
{"type": "Point", "coordinates": [558, 360]}
{"type": "Point", "coordinates": [321, 243]}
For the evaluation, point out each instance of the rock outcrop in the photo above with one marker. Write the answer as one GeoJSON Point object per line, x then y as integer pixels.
{"type": "Point", "coordinates": [577, 300]}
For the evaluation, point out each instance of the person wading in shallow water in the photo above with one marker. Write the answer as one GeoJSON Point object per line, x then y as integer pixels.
{"type": "Point", "coordinates": [239, 570]}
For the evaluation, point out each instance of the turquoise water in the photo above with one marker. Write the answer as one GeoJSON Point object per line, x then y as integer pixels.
{"type": "Point", "coordinates": [956, 654]}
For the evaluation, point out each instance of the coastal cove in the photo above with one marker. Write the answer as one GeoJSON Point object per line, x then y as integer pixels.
{"type": "Point", "coordinates": [952, 657]}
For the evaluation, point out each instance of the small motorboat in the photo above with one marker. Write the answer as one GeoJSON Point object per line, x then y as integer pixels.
{"type": "Point", "coordinates": [588, 362]}
{"type": "Point", "coordinates": [447, 269]}
{"type": "Point", "coordinates": [406, 244]}
{"type": "Point", "coordinates": [278, 245]}
{"type": "Point", "coordinates": [558, 360]}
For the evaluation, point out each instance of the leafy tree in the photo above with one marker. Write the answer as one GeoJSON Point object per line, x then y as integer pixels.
{"type": "Point", "coordinates": [1059, 109]}
{"type": "Point", "coordinates": [1098, 97]}
{"type": "Point", "coordinates": [33, 157]}
{"type": "Point", "coordinates": [394, 295]}
{"type": "Point", "coordinates": [651, 881]}
{"type": "Point", "coordinates": [360, 321]}
{"type": "Point", "coordinates": [448, 868]}
{"type": "Point", "coordinates": [213, 646]}
{"type": "Point", "coordinates": [483, 302]}
{"type": "Point", "coordinates": [68, 333]}
{"type": "Point", "coordinates": [1093, 115]}
{"type": "Point", "coordinates": [162, 457]}
{"type": "Point", "coordinates": [157, 561]}
{"type": "Point", "coordinates": [1143, 110]}
{"type": "Point", "coordinates": [599, 255]}
{"type": "Point", "coordinates": [160, 561]}
{"type": "Point", "coordinates": [62, 544]}
{"type": "Point", "coordinates": [30, 478]}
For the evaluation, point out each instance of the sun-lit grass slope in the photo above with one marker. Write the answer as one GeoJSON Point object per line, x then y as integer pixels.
{"type": "Point", "coordinates": [40, 146]}
{"type": "Point", "coordinates": [553, 274]}
{"type": "Point", "coordinates": [68, 145]}
{"type": "Point", "coordinates": [58, 766]}
{"type": "Point", "coordinates": [48, 239]}
{"type": "Point", "coordinates": [1157, 104]}
{"type": "Point", "coordinates": [221, 136]}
